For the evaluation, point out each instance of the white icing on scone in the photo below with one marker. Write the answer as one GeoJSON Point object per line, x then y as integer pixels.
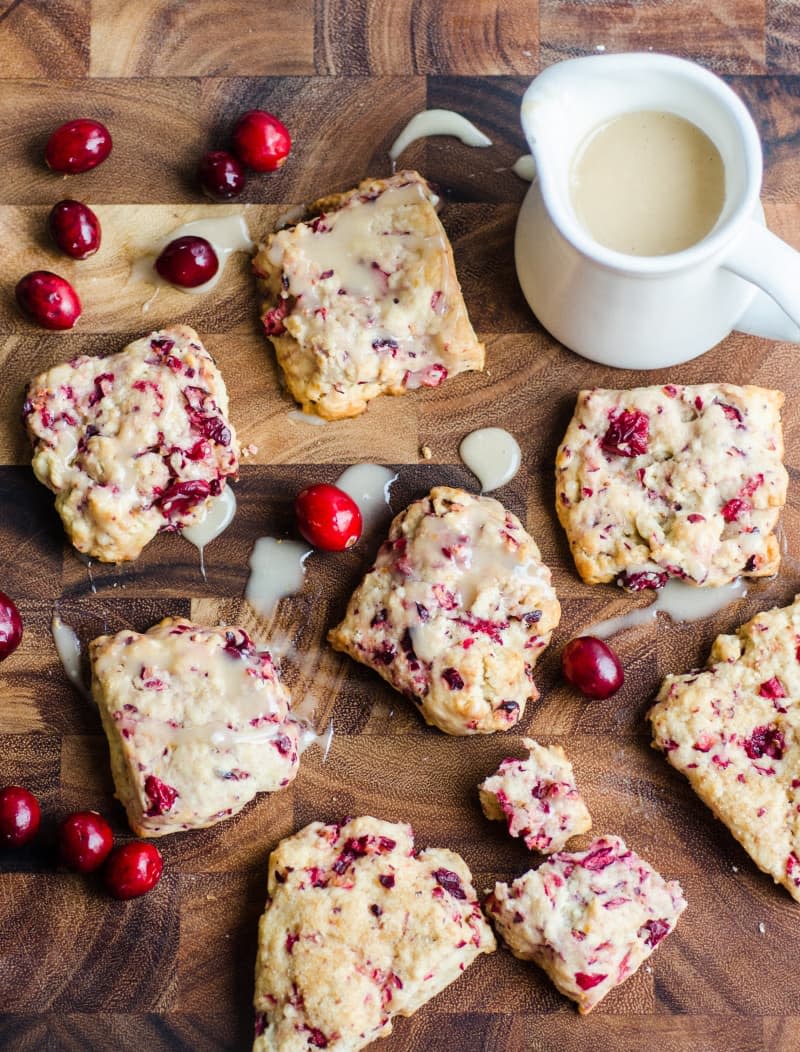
{"type": "Point", "coordinates": [359, 928]}
{"type": "Point", "coordinates": [363, 299]}
{"type": "Point", "coordinates": [733, 729]}
{"type": "Point", "coordinates": [537, 798]}
{"type": "Point", "coordinates": [197, 721]}
{"type": "Point", "coordinates": [455, 612]}
{"type": "Point", "coordinates": [673, 481]}
{"type": "Point", "coordinates": [588, 918]}
{"type": "Point", "coordinates": [132, 443]}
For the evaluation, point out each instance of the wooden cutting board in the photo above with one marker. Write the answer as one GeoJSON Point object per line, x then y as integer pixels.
{"type": "Point", "coordinates": [173, 970]}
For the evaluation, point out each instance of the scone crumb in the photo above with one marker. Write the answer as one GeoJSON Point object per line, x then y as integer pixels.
{"type": "Point", "coordinates": [426, 452]}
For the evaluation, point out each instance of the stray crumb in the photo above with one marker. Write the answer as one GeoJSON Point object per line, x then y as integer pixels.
{"type": "Point", "coordinates": [426, 452]}
{"type": "Point", "coordinates": [648, 968]}
{"type": "Point", "coordinates": [600, 47]}
{"type": "Point", "coordinates": [762, 927]}
{"type": "Point", "coordinates": [527, 54]}
{"type": "Point", "coordinates": [735, 869]}
{"type": "Point", "coordinates": [211, 897]}
{"type": "Point", "coordinates": [249, 451]}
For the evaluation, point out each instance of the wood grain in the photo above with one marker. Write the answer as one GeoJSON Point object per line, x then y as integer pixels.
{"type": "Point", "coordinates": [173, 971]}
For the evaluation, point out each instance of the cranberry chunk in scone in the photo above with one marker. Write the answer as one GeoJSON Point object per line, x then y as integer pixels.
{"type": "Point", "coordinates": [359, 927]}
{"type": "Point", "coordinates": [455, 612]}
{"type": "Point", "coordinates": [197, 721]}
{"type": "Point", "coordinates": [362, 298]}
{"type": "Point", "coordinates": [132, 443]}
{"type": "Point", "coordinates": [674, 481]}
{"type": "Point", "coordinates": [588, 918]}
{"type": "Point", "coordinates": [731, 729]}
{"type": "Point", "coordinates": [537, 798]}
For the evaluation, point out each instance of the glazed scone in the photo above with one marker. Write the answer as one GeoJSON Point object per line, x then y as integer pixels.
{"type": "Point", "coordinates": [537, 798]}
{"type": "Point", "coordinates": [132, 443]}
{"type": "Point", "coordinates": [672, 481]}
{"type": "Point", "coordinates": [197, 722]}
{"type": "Point", "coordinates": [358, 928]}
{"type": "Point", "coordinates": [733, 729]}
{"type": "Point", "coordinates": [588, 918]}
{"type": "Point", "coordinates": [455, 612]}
{"type": "Point", "coordinates": [363, 298]}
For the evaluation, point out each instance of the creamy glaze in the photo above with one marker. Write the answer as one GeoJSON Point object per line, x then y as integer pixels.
{"type": "Point", "coordinates": [525, 167]}
{"type": "Point", "coordinates": [680, 601]}
{"type": "Point", "coordinates": [437, 122]}
{"type": "Point", "coordinates": [227, 234]}
{"type": "Point", "coordinates": [493, 455]}
{"type": "Point", "coordinates": [68, 648]}
{"type": "Point", "coordinates": [297, 416]}
{"type": "Point", "coordinates": [369, 486]}
{"type": "Point", "coordinates": [218, 517]}
{"type": "Point", "coordinates": [648, 183]}
{"type": "Point", "coordinates": [277, 569]}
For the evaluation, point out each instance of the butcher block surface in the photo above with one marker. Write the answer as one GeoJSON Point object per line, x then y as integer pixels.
{"type": "Point", "coordinates": [81, 972]}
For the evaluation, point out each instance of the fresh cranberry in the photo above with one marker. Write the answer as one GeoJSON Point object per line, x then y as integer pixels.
{"type": "Point", "coordinates": [592, 667]}
{"type": "Point", "coordinates": [84, 841]}
{"type": "Point", "coordinates": [19, 816]}
{"type": "Point", "coordinates": [10, 626]}
{"type": "Point", "coordinates": [221, 175]}
{"type": "Point", "coordinates": [133, 870]}
{"type": "Point", "coordinates": [48, 299]}
{"type": "Point", "coordinates": [77, 146]}
{"type": "Point", "coordinates": [261, 141]}
{"type": "Point", "coordinates": [188, 262]}
{"type": "Point", "coordinates": [75, 229]}
{"type": "Point", "coordinates": [328, 517]}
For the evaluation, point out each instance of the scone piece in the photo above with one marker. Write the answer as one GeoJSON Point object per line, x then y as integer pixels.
{"type": "Point", "coordinates": [588, 918]}
{"type": "Point", "coordinates": [132, 443]}
{"type": "Point", "coordinates": [734, 730]}
{"type": "Point", "coordinates": [358, 928]}
{"type": "Point", "coordinates": [363, 298]}
{"type": "Point", "coordinates": [672, 481]}
{"type": "Point", "coordinates": [197, 721]}
{"type": "Point", "coordinates": [455, 612]}
{"type": "Point", "coordinates": [537, 798]}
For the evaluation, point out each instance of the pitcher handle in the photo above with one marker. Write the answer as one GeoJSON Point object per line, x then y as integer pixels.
{"type": "Point", "coordinates": [763, 259]}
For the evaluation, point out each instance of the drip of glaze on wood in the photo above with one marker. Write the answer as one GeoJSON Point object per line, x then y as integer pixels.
{"type": "Point", "coordinates": [218, 517]}
{"type": "Point", "coordinates": [525, 167]}
{"type": "Point", "coordinates": [369, 485]}
{"type": "Point", "coordinates": [680, 601]}
{"type": "Point", "coordinates": [68, 648]}
{"type": "Point", "coordinates": [437, 122]}
{"type": "Point", "coordinates": [277, 569]}
{"type": "Point", "coordinates": [493, 455]}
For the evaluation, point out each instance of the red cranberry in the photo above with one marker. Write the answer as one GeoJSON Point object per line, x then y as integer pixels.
{"type": "Point", "coordinates": [592, 667]}
{"type": "Point", "coordinates": [84, 841]}
{"type": "Point", "coordinates": [48, 299]}
{"type": "Point", "coordinates": [261, 141]}
{"type": "Point", "coordinates": [133, 870]}
{"type": "Point", "coordinates": [75, 229]}
{"type": "Point", "coordinates": [328, 517]}
{"type": "Point", "coordinates": [19, 816]}
{"type": "Point", "coordinates": [10, 626]}
{"type": "Point", "coordinates": [221, 175]}
{"type": "Point", "coordinates": [188, 262]}
{"type": "Point", "coordinates": [78, 146]}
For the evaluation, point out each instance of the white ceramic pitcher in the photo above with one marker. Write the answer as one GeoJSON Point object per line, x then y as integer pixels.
{"type": "Point", "coordinates": [648, 312]}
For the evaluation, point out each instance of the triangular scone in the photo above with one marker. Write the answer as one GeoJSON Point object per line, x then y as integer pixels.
{"type": "Point", "coordinates": [132, 443]}
{"type": "Point", "coordinates": [363, 298]}
{"type": "Point", "coordinates": [455, 612]}
{"type": "Point", "coordinates": [673, 481]}
{"type": "Point", "coordinates": [733, 729]}
{"type": "Point", "coordinates": [359, 928]}
{"type": "Point", "coordinates": [197, 720]}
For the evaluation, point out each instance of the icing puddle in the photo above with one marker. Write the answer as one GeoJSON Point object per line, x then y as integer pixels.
{"type": "Point", "coordinates": [681, 602]}
{"type": "Point", "coordinates": [68, 648]}
{"type": "Point", "coordinates": [437, 122]}
{"type": "Point", "coordinates": [369, 486]}
{"type": "Point", "coordinates": [218, 518]}
{"type": "Point", "coordinates": [493, 455]}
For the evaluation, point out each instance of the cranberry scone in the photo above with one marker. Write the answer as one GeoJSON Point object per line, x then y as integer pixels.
{"type": "Point", "coordinates": [537, 798]}
{"type": "Point", "coordinates": [197, 721]}
{"type": "Point", "coordinates": [359, 927]}
{"type": "Point", "coordinates": [733, 729]}
{"type": "Point", "coordinates": [673, 481]}
{"type": "Point", "coordinates": [589, 919]}
{"type": "Point", "coordinates": [362, 298]}
{"type": "Point", "coordinates": [455, 612]}
{"type": "Point", "coordinates": [132, 443]}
